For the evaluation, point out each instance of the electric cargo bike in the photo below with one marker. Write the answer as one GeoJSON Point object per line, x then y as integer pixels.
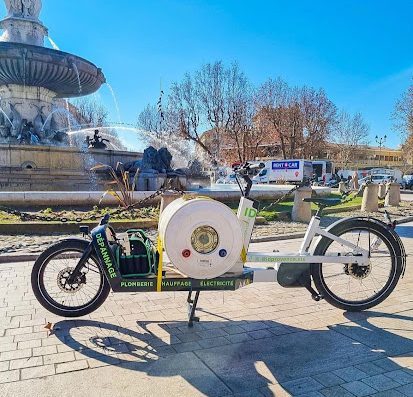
{"type": "Point", "coordinates": [354, 264]}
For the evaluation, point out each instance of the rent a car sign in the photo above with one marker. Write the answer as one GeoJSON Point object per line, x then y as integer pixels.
{"type": "Point", "coordinates": [287, 170]}
{"type": "Point", "coordinates": [285, 165]}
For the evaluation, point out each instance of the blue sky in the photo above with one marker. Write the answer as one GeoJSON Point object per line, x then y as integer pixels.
{"type": "Point", "coordinates": [360, 52]}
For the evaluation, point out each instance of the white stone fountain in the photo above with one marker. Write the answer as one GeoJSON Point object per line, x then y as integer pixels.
{"type": "Point", "coordinates": [33, 78]}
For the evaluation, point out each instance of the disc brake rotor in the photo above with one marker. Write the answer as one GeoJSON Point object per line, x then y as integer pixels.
{"type": "Point", "coordinates": [356, 271]}
{"type": "Point", "coordinates": [64, 285]}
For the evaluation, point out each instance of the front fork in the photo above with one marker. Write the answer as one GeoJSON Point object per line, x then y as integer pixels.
{"type": "Point", "coordinates": [82, 261]}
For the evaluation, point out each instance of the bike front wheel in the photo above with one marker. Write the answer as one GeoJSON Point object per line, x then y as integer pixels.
{"type": "Point", "coordinates": [350, 286]}
{"type": "Point", "coordinates": [50, 283]}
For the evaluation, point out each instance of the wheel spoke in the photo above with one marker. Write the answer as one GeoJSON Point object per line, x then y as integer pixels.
{"type": "Point", "coordinates": [81, 292]}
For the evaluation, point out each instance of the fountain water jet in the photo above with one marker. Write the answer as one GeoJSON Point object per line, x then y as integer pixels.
{"type": "Point", "coordinates": [53, 44]}
{"type": "Point", "coordinates": [115, 101]}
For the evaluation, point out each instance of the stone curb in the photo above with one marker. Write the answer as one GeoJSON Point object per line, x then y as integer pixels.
{"type": "Point", "coordinates": [15, 258]}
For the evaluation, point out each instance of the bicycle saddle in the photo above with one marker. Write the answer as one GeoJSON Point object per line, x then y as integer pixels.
{"type": "Point", "coordinates": [323, 202]}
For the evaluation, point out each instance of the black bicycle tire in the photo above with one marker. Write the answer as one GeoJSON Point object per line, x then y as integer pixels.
{"type": "Point", "coordinates": [394, 276]}
{"type": "Point", "coordinates": [39, 289]}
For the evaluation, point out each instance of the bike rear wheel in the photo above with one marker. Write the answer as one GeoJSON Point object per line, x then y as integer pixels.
{"type": "Point", "coordinates": [50, 280]}
{"type": "Point", "coordinates": [353, 287]}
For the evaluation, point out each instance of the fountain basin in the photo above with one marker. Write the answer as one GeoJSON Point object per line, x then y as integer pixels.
{"type": "Point", "coordinates": [89, 198]}
{"type": "Point", "coordinates": [25, 168]}
{"type": "Point", "coordinates": [65, 74]}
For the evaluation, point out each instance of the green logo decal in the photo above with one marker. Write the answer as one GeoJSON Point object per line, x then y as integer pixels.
{"type": "Point", "coordinates": [250, 212]}
{"type": "Point", "coordinates": [105, 255]}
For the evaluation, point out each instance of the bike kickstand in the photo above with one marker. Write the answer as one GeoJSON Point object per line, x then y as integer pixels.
{"type": "Point", "coordinates": [192, 304]}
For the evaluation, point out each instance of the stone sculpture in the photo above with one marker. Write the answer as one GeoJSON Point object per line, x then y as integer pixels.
{"type": "Point", "coordinates": [24, 8]}
{"type": "Point", "coordinates": [97, 142]}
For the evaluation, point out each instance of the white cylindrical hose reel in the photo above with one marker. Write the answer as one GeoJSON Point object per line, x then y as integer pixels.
{"type": "Point", "coordinates": [202, 237]}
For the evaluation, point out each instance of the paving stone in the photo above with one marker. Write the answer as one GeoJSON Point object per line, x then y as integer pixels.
{"type": "Point", "coordinates": [233, 329]}
{"type": "Point", "coordinates": [8, 347]}
{"type": "Point", "coordinates": [260, 334]}
{"type": "Point", "coordinates": [186, 347]}
{"type": "Point", "coordinates": [19, 331]}
{"type": "Point", "coordinates": [336, 391]}
{"type": "Point", "coordinates": [358, 388]}
{"type": "Point", "coordinates": [387, 364]}
{"type": "Point", "coordinates": [328, 379]}
{"type": "Point", "coordinates": [274, 391]}
{"type": "Point", "coordinates": [370, 368]}
{"type": "Point", "coordinates": [350, 374]}
{"type": "Point", "coordinates": [401, 376]}
{"type": "Point", "coordinates": [381, 382]}
{"type": "Point", "coordinates": [4, 366]}
{"type": "Point", "coordinates": [238, 338]}
{"type": "Point", "coordinates": [26, 362]}
{"type": "Point", "coordinates": [208, 343]}
{"type": "Point", "coordinates": [189, 337]}
{"type": "Point", "coordinates": [37, 372]}
{"type": "Point", "coordinates": [9, 376]}
{"type": "Point", "coordinates": [212, 333]}
{"type": "Point", "coordinates": [15, 354]}
{"type": "Point", "coordinates": [29, 344]}
{"type": "Point", "coordinates": [301, 386]}
{"type": "Point", "coordinates": [388, 393]}
{"type": "Point", "coordinates": [59, 358]}
{"type": "Point", "coordinates": [406, 390]}
{"type": "Point", "coordinates": [71, 366]}
{"type": "Point", "coordinates": [44, 350]}
{"type": "Point", "coordinates": [248, 393]}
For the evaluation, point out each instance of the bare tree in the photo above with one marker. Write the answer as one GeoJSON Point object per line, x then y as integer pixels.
{"type": "Point", "coordinates": [275, 97]}
{"type": "Point", "coordinates": [350, 133]}
{"type": "Point", "coordinates": [214, 98]}
{"type": "Point", "coordinates": [88, 111]}
{"type": "Point", "coordinates": [403, 124]}
{"type": "Point", "coordinates": [184, 113]}
{"type": "Point", "coordinates": [149, 121]}
{"type": "Point", "coordinates": [319, 118]}
{"type": "Point", "coordinates": [403, 114]}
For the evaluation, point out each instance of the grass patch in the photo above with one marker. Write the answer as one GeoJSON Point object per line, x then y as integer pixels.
{"type": "Point", "coordinates": [273, 213]}
{"type": "Point", "coordinates": [138, 214]}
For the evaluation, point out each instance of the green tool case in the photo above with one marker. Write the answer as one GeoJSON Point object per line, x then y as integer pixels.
{"type": "Point", "coordinates": [142, 259]}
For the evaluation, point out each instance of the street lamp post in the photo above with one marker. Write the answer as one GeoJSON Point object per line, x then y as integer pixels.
{"type": "Point", "coordinates": [380, 141]}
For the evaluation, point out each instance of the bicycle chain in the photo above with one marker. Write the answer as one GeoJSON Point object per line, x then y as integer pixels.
{"type": "Point", "coordinates": [282, 198]}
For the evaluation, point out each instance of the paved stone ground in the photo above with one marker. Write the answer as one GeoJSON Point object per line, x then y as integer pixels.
{"type": "Point", "coordinates": [261, 340]}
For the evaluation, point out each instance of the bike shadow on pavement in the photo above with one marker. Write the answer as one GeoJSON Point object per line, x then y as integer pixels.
{"type": "Point", "coordinates": [224, 357]}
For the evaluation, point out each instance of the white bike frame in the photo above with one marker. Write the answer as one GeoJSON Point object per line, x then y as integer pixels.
{"type": "Point", "coordinates": [247, 215]}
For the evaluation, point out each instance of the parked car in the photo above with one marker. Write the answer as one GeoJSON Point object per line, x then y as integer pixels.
{"type": "Point", "coordinates": [407, 184]}
{"type": "Point", "coordinates": [377, 178]}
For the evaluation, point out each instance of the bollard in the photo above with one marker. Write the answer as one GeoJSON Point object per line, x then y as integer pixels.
{"type": "Point", "coordinates": [301, 210]}
{"type": "Point", "coordinates": [167, 199]}
{"type": "Point", "coordinates": [342, 187]}
{"type": "Point", "coordinates": [392, 195]}
{"type": "Point", "coordinates": [382, 191]}
{"type": "Point", "coordinates": [370, 201]}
